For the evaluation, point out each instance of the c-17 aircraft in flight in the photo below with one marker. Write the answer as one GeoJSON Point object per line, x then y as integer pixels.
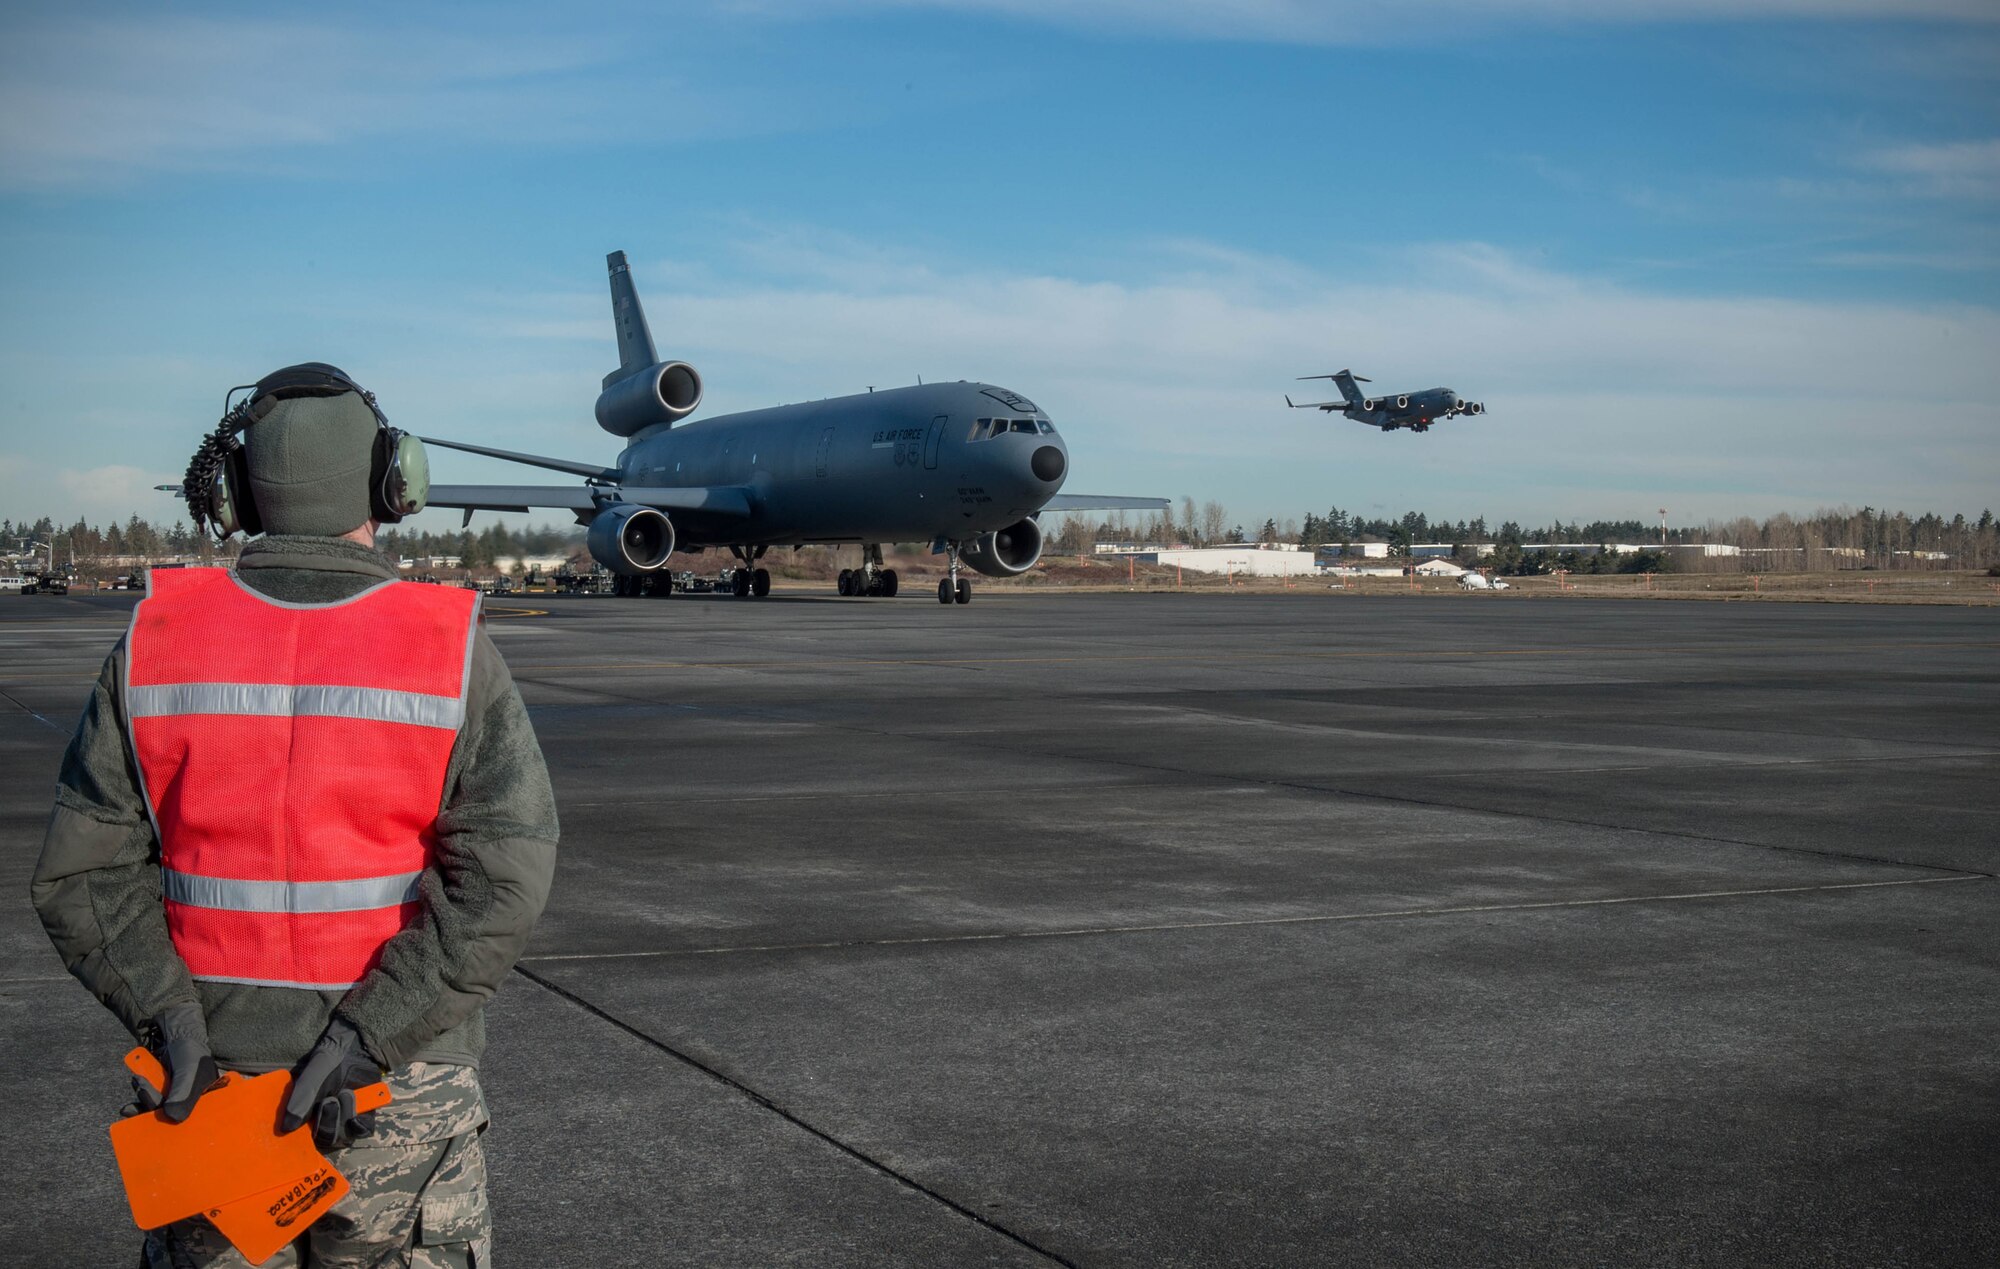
{"type": "Point", "coordinates": [1414, 410]}
{"type": "Point", "coordinates": [966, 467]}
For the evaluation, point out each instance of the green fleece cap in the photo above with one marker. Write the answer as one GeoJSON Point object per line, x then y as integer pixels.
{"type": "Point", "coordinates": [309, 460]}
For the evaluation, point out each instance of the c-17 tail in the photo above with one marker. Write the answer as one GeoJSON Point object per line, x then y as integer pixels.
{"type": "Point", "coordinates": [1350, 395]}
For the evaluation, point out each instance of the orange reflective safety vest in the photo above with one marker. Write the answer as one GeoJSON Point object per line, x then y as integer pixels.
{"type": "Point", "coordinates": [293, 757]}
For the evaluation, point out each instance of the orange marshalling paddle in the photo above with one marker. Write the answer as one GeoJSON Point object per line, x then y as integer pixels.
{"type": "Point", "coordinates": [228, 1162]}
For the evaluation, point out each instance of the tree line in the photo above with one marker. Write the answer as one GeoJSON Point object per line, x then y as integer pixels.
{"type": "Point", "coordinates": [1826, 539]}
{"type": "Point", "coordinates": [96, 549]}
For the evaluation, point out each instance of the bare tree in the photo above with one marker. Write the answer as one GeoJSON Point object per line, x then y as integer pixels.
{"type": "Point", "coordinates": [1214, 522]}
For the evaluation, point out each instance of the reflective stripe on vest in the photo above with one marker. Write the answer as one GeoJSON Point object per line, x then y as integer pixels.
{"type": "Point", "coordinates": [293, 757]}
{"type": "Point", "coordinates": [282, 700]}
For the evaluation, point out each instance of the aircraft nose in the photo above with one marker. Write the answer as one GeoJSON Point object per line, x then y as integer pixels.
{"type": "Point", "coordinates": [1048, 464]}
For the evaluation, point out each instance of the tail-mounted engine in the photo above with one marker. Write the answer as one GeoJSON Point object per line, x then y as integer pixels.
{"type": "Point", "coordinates": [630, 540]}
{"type": "Point", "coordinates": [664, 393]}
{"type": "Point", "coordinates": [1007, 552]}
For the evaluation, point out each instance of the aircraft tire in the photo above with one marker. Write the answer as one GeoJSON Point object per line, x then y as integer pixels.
{"type": "Point", "coordinates": [619, 583]}
{"type": "Point", "coordinates": [964, 595]}
{"type": "Point", "coordinates": [888, 583]}
{"type": "Point", "coordinates": [944, 590]}
{"type": "Point", "coordinates": [739, 582]}
{"type": "Point", "coordinates": [760, 582]}
{"type": "Point", "coordinates": [842, 585]}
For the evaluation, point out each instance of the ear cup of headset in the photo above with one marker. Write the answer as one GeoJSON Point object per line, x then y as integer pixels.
{"type": "Point", "coordinates": [400, 479]}
{"type": "Point", "coordinates": [231, 507]}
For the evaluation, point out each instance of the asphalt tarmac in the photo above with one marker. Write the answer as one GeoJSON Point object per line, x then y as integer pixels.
{"type": "Point", "coordinates": [1160, 930]}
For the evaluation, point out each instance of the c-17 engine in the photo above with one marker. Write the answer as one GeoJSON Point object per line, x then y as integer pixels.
{"type": "Point", "coordinates": [630, 540]}
{"type": "Point", "coordinates": [1007, 552]}
{"type": "Point", "coordinates": [663, 393]}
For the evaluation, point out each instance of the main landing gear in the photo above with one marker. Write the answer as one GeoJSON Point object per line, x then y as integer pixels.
{"type": "Point", "coordinates": [871, 580]}
{"type": "Point", "coordinates": [954, 589]}
{"type": "Point", "coordinates": [749, 581]}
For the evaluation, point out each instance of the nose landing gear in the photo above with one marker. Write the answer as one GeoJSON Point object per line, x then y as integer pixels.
{"type": "Point", "coordinates": [954, 589]}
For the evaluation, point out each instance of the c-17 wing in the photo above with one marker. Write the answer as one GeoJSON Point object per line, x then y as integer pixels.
{"type": "Point", "coordinates": [1104, 502]}
{"type": "Point", "coordinates": [721, 500]}
{"type": "Point", "coordinates": [1328, 406]}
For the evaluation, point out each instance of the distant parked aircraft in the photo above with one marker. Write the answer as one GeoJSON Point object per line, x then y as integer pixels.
{"type": "Point", "coordinates": [1414, 410]}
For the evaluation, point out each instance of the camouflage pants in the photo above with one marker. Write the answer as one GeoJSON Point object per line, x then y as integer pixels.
{"type": "Point", "coordinates": [418, 1193]}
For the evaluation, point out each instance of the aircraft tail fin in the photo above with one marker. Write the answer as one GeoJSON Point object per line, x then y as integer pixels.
{"type": "Point", "coordinates": [1345, 381]}
{"type": "Point", "coordinates": [635, 338]}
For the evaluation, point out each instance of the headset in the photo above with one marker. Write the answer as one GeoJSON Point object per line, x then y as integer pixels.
{"type": "Point", "coordinates": [217, 483]}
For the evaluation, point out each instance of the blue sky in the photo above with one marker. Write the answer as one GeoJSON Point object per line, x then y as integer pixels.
{"type": "Point", "coordinates": [1726, 258]}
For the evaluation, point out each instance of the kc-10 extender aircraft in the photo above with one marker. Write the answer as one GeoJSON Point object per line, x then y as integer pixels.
{"type": "Point", "coordinates": [966, 467]}
{"type": "Point", "coordinates": [1414, 410]}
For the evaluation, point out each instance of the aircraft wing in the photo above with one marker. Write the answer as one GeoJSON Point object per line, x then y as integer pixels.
{"type": "Point", "coordinates": [1316, 405]}
{"type": "Point", "coordinates": [1104, 502]}
{"type": "Point", "coordinates": [721, 500]}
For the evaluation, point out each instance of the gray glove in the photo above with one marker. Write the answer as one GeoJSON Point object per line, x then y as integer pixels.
{"type": "Point", "coordinates": [337, 1064]}
{"type": "Point", "coordinates": [179, 1038]}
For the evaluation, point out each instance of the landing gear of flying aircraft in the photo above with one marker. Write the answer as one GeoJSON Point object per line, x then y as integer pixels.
{"type": "Point", "coordinates": [871, 580]}
{"type": "Point", "coordinates": [954, 589]}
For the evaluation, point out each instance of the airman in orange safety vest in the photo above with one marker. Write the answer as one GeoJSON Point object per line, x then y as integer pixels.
{"type": "Point", "coordinates": [304, 825]}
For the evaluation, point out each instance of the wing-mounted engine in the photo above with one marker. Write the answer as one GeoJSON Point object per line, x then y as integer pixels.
{"type": "Point", "coordinates": [1006, 552]}
{"type": "Point", "coordinates": [630, 540]}
{"type": "Point", "coordinates": [662, 393]}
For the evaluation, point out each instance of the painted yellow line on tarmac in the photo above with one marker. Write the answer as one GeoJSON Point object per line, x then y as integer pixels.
{"type": "Point", "coordinates": [1329, 919]}
{"type": "Point", "coordinates": [517, 612]}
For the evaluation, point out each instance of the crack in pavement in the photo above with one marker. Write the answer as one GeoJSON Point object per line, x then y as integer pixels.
{"type": "Point", "coordinates": [790, 1117]}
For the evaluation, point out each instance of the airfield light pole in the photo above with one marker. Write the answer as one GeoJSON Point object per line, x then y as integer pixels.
{"type": "Point", "coordinates": [1663, 526]}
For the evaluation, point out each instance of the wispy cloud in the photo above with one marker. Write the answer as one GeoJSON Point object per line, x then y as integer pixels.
{"type": "Point", "coordinates": [90, 101]}
{"type": "Point", "coordinates": [1384, 21]}
{"type": "Point", "coordinates": [1948, 168]}
{"type": "Point", "coordinates": [109, 493]}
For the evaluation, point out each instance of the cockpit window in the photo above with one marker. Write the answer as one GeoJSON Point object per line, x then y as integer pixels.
{"type": "Point", "coordinates": [985, 429]}
{"type": "Point", "coordinates": [1048, 428]}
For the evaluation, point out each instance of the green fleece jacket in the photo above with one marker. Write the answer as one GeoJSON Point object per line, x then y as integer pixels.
{"type": "Point", "coordinates": [97, 885]}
